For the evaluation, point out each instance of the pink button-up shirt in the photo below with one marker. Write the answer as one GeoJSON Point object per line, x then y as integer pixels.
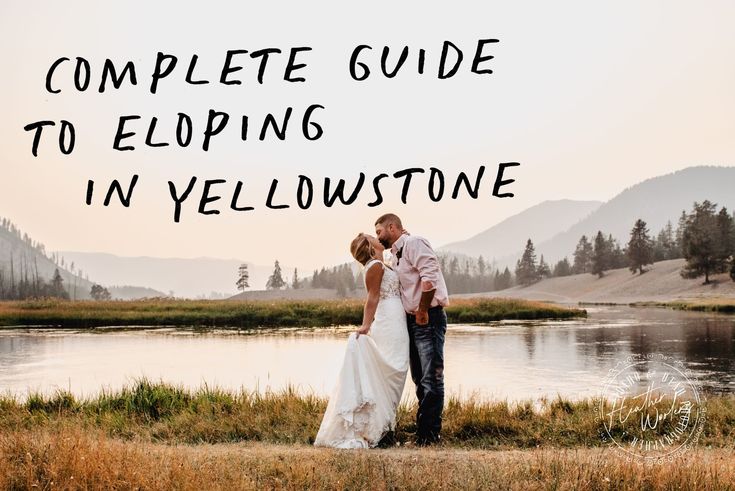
{"type": "Point", "coordinates": [417, 263]}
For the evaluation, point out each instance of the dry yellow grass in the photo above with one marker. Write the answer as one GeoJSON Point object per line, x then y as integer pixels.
{"type": "Point", "coordinates": [156, 436]}
{"type": "Point", "coordinates": [74, 458]}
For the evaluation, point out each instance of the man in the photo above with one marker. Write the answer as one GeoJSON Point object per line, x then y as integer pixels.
{"type": "Point", "coordinates": [423, 293]}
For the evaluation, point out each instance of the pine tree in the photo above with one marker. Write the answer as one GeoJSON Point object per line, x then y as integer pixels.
{"type": "Point", "coordinates": [454, 266]}
{"type": "Point", "coordinates": [57, 286]}
{"type": "Point", "coordinates": [668, 243]}
{"type": "Point", "coordinates": [582, 256]}
{"type": "Point", "coordinates": [360, 280]}
{"type": "Point", "coordinates": [700, 243]}
{"type": "Point", "coordinates": [275, 281]}
{"type": "Point", "coordinates": [615, 255]}
{"type": "Point", "coordinates": [640, 247]}
{"type": "Point", "coordinates": [243, 277]}
{"type": "Point", "coordinates": [726, 238]}
{"type": "Point", "coordinates": [526, 269]}
{"type": "Point", "coordinates": [295, 284]}
{"type": "Point", "coordinates": [562, 268]}
{"type": "Point", "coordinates": [350, 278]}
{"type": "Point", "coordinates": [600, 255]}
{"type": "Point", "coordinates": [543, 269]}
{"type": "Point", "coordinates": [507, 278]}
{"type": "Point", "coordinates": [726, 234]}
{"type": "Point", "coordinates": [496, 280]}
{"type": "Point", "coordinates": [502, 280]}
{"type": "Point", "coordinates": [452, 276]}
{"type": "Point", "coordinates": [341, 289]}
{"type": "Point", "coordinates": [732, 261]}
{"type": "Point", "coordinates": [679, 238]}
{"type": "Point", "coordinates": [98, 292]}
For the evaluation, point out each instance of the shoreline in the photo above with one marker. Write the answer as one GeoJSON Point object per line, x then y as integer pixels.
{"type": "Point", "coordinates": [714, 304]}
{"type": "Point", "coordinates": [253, 314]}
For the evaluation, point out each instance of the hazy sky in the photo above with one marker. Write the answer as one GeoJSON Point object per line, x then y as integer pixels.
{"type": "Point", "coordinates": [589, 98]}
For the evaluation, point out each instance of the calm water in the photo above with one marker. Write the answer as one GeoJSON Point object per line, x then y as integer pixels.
{"type": "Point", "coordinates": [503, 360]}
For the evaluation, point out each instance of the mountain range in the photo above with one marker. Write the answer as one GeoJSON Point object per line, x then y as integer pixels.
{"type": "Point", "coordinates": [555, 227]}
{"type": "Point", "coordinates": [544, 219]}
{"type": "Point", "coordinates": [21, 256]}
{"type": "Point", "coordinates": [656, 201]}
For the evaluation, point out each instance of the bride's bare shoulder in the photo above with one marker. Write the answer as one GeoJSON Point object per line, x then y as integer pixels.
{"type": "Point", "coordinates": [373, 276]}
{"type": "Point", "coordinates": [373, 262]}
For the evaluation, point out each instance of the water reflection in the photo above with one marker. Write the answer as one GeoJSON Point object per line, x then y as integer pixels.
{"type": "Point", "coordinates": [507, 360]}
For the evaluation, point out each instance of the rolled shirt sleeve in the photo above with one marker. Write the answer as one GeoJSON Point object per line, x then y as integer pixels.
{"type": "Point", "coordinates": [419, 264]}
{"type": "Point", "coordinates": [423, 258]}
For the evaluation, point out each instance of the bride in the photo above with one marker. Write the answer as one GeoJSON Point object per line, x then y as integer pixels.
{"type": "Point", "coordinates": [362, 406]}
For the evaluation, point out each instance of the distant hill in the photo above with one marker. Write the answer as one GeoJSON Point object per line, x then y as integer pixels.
{"type": "Point", "coordinates": [297, 294]}
{"type": "Point", "coordinates": [656, 201]}
{"type": "Point", "coordinates": [540, 222]}
{"type": "Point", "coordinates": [29, 258]}
{"type": "Point", "coordinates": [662, 282]}
{"type": "Point", "coordinates": [185, 277]}
{"type": "Point", "coordinates": [127, 292]}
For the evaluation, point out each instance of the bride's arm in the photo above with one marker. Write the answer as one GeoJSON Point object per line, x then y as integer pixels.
{"type": "Point", "coordinates": [373, 277]}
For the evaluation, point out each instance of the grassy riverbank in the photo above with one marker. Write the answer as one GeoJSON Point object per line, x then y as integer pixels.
{"type": "Point", "coordinates": [158, 436]}
{"type": "Point", "coordinates": [716, 304]}
{"type": "Point", "coordinates": [160, 412]}
{"type": "Point", "coordinates": [249, 314]}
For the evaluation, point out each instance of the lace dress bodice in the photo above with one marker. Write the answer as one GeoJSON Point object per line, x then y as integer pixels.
{"type": "Point", "coordinates": [389, 286]}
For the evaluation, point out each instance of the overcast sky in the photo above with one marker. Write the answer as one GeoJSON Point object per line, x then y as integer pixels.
{"type": "Point", "coordinates": [589, 98]}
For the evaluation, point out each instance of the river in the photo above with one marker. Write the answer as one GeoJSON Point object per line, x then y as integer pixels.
{"type": "Point", "coordinates": [513, 360]}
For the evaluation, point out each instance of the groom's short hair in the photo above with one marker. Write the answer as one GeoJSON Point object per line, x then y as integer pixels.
{"type": "Point", "coordinates": [389, 218]}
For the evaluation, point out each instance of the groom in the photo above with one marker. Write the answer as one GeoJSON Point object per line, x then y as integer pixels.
{"type": "Point", "coordinates": [423, 293]}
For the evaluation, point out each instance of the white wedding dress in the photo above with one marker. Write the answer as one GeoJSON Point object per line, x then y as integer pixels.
{"type": "Point", "coordinates": [362, 406]}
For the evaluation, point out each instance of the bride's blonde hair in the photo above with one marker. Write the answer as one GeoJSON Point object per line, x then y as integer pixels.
{"type": "Point", "coordinates": [361, 249]}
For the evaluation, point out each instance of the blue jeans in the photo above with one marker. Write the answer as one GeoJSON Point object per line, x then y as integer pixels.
{"type": "Point", "coordinates": [427, 371]}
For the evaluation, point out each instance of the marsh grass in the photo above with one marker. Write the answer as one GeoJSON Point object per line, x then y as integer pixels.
{"type": "Point", "coordinates": [249, 314]}
{"type": "Point", "coordinates": [165, 413]}
{"type": "Point", "coordinates": [477, 310]}
{"type": "Point", "coordinates": [158, 436]}
{"type": "Point", "coordinates": [716, 304]}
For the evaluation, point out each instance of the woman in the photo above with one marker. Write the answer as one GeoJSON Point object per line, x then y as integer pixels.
{"type": "Point", "coordinates": [362, 406]}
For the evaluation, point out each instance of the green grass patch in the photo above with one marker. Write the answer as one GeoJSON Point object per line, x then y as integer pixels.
{"type": "Point", "coordinates": [721, 305]}
{"type": "Point", "coordinates": [249, 314]}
